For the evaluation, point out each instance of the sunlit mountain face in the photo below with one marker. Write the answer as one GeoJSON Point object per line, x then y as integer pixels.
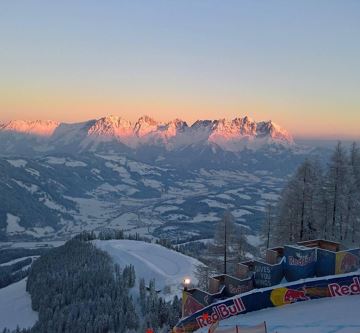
{"type": "Point", "coordinates": [229, 135]}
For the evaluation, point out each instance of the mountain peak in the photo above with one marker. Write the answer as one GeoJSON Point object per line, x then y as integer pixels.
{"type": "Point", "coordinates": [147, 120]}
{"type": "Point", "coordinates": [145, 125]}
{"type": "Point", "coordinates": [178, 124]}
{"type": "Point", "coordinates": [43, 128]}
{"type": "Point", "coordinates": [111, 126]}
{"type": "Point", "coordinates": [274, 131]}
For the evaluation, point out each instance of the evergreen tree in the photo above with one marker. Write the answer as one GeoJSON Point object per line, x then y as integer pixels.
{"type": "Point", "coordinates": [142, 293]}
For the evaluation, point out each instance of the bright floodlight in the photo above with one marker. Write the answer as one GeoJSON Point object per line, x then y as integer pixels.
{"type": "Point", "coordinates": [187, 281]}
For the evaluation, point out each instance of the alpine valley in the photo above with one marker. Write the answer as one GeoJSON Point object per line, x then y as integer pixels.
{"type": "Point", "coordinates": [164, 180]}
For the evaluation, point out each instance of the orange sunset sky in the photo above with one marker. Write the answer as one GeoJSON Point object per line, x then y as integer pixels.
{"type": "Point", "coordinates": [297, 63]}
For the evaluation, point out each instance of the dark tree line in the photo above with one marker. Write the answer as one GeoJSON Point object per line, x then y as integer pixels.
{"type": "Point", "coordinates": [76, 288]}
{"type": "Point", "coordinates": [108, 234]}
{"type": "Point", "coordinates": [157, 313]}
{"type": "Point", "coordinates": [11, 254]}
{"type": "Point", "coordinates": [14, 272]}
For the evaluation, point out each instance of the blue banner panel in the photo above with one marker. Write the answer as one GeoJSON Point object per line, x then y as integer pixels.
{"type": "Point", "coordinates": [300, 262]}
{"type": "Point", "coordinates": [325, 262]}
{"type": "Point", "coordinates": [267, 275]}
{"type": "Point", "coordinates": [234, 286]}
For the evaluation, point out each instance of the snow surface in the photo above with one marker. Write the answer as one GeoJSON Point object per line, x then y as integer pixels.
{"type": "Point", "coordinates": [254, 240]}
{"type": "Point", "coordinates": [216, 204]}
{"type": "Point", "coordinates": [152, 261]}
{"type": "Point", "coordinates": [40, 231]}
{"type": "Point", "coordinates": [33, 172]}
{"type": "Point", "coordinates": [65, 161]}
{"type": "Point", "coordinates": [15, 307]}
{"type": "Point", "coordinates": [13, 225]}
{"type": "Point", "coordinates": [17, 163]}
{"type": "Point", "coordinates": [240, 212]}
{"type": "Point", "coordinates": [326, 315]}
{"type": "Point", "coordinates": [164, 209]}
{"type": "Point", "coordinates": [31, 188]}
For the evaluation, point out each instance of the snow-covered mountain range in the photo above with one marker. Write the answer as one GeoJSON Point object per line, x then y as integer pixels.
{"type": "Point", "coordinates": [166, 179]}
{"type": "Point", "coordinates": [229, 135]}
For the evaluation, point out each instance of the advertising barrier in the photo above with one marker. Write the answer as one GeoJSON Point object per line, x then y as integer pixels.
{"type": "Point", "coordinates": [270, 297]}
{"type": "Point", "coordinates": [195, 299]}
{"type": "Point", "coordinates": [300, 262]}
{"type": "Point", "coordinates": [267, 275]}
{"type": "Point", "coordinates": [347, 261]}
{"type": "Point", "coordinates": [326, 261]}
{"type": "Point", "coordinates": [235, 286]}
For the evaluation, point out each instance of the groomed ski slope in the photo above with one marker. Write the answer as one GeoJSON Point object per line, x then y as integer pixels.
{"type": "Point", "coordinates": [152, 261]}
{"type": "Point", "coordinates": [15, 307]}
{"type": "Point", "coordinates": [326, 315]}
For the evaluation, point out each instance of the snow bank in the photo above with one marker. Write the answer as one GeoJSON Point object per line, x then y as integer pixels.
{"type": "Point", "coordinates": [152, 261]}
{"type": "Point", "coordinates": [18, 163]}
{"type": "Point", "coordinates": [13, 225]}
{"type": "Point", "coordinates": [15, 307]}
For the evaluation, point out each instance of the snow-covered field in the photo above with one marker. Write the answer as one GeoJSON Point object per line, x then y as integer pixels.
{"type": "Point", "coordinates": [15, 307]}
{"type": "Point", "coordinates": [327, 315]}
{"type": "Point", "coordinates": [152, 261]}
{"type": "Point", "coordinates": [118, 192]}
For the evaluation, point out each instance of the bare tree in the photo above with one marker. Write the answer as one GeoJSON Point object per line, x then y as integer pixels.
{"type": "Point", "coordinates": [224, 246]}
{"type": "Point", "coordinates": [296, 213]}
{"type": "Point", "coordinates": [267, 227]}
{"type": "Point", "coordinates": [336, 186]}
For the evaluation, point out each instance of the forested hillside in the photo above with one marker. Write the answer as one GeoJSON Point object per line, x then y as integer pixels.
{"type": "Point", "coordinates": [77, 288]}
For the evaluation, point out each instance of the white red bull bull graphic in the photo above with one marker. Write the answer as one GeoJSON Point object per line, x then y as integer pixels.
{"type": "Point", "coordinates": [345, 290]}
{"type": "Point", "coordinates": [302, 259]}
{"type": "Point", "coordinates": [220, 312]}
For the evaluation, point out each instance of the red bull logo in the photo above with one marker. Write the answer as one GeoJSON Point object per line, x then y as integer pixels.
{"type": "Point", "coordinates": [337, 290]}
{"type": "Point", "coordinates": [292, 296]}
{"type": "Point", "coordinates": [220, 312]}
{"type": "Point", "coordinates": [349, 263]}
{"type": "Point", "coordinates": [282, 296]}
